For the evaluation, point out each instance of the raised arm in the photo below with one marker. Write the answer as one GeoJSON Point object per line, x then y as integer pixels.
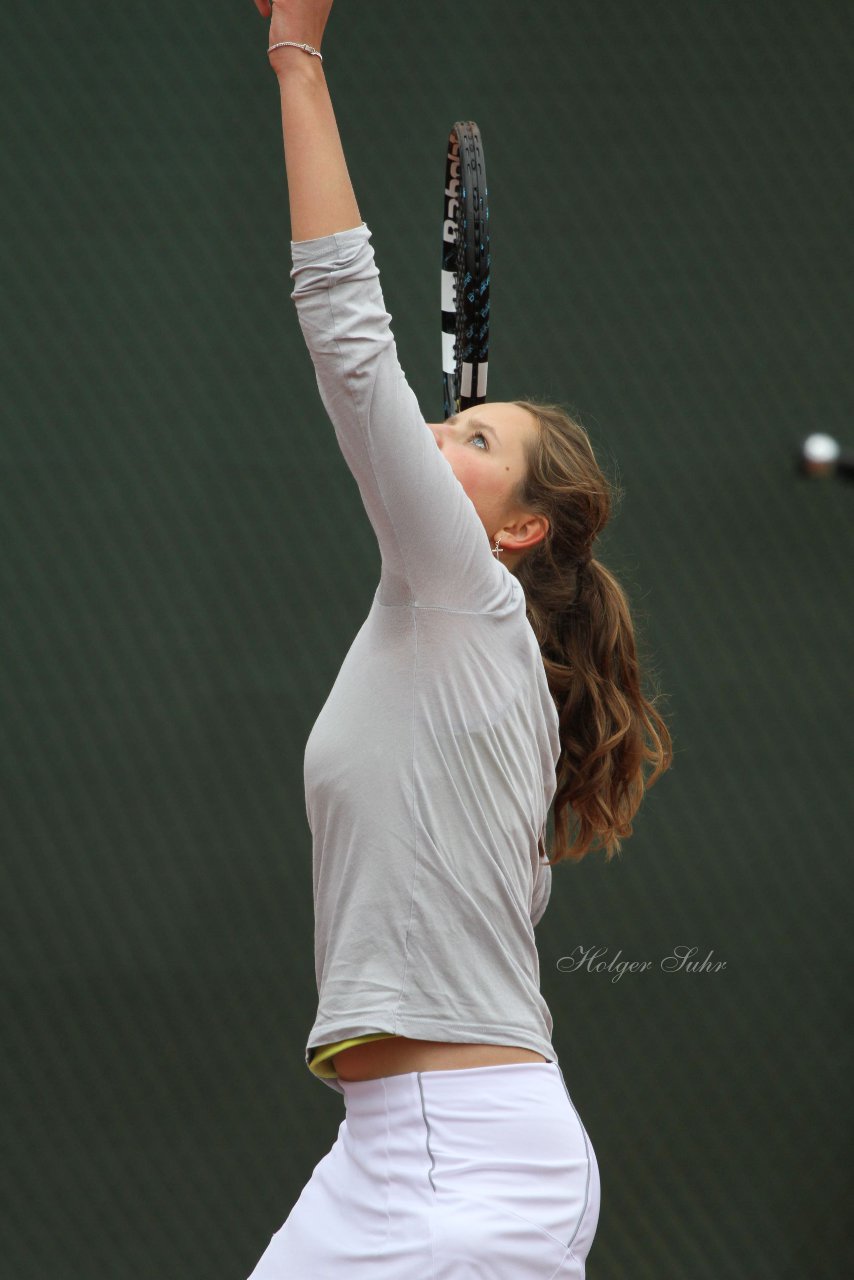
{"type": "Point", "coordinates": [320, 193]}
{"type": "Point", "coordinates": [435, 550]}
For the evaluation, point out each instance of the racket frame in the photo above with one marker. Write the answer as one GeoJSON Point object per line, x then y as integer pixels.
{"type": "Point", "coordinates": [465, 271]}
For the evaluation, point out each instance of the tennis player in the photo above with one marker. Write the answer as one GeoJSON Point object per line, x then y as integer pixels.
{"type": "Point", "coordinates": [496, 672]}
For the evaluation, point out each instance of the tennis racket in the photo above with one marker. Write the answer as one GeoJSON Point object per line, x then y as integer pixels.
{"type": "Point", "coordinates": [465, 271]}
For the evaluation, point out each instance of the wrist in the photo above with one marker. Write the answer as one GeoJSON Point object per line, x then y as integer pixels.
{"type": "Point", "coordinates": [291, 60]}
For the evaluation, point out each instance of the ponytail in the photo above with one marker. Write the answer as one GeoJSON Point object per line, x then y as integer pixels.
{"type": "Point", "coordinates": [614, 742]}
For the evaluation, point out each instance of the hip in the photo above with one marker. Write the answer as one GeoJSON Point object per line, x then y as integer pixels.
{"type": "Point", "coordinates": [445, 1174]}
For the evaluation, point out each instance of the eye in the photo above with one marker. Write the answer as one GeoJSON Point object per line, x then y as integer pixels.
{"type": "Point", "coordinates": [479, 435]}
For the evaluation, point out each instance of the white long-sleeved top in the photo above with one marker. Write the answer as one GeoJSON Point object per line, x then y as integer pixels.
{"type": "Point", "coordinates": [431, 768]}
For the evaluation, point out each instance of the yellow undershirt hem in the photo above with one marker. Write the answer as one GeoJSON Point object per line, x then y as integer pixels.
{"type": "Point", "coordinates": [321, 1059]}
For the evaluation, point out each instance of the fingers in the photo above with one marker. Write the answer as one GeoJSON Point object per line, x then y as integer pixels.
{"type": "Point", "coordinates": [264, 7]}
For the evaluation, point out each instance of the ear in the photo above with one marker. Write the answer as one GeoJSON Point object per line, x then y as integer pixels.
{"type": "Point", "coordinates": [525, 533]}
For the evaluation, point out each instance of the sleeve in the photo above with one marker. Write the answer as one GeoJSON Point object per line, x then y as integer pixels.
{"type": "Point", "coordinates": [435, 551]}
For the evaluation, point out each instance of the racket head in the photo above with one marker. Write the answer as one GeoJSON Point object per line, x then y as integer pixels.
{"type": "Point", "coordinates": [465, 271]}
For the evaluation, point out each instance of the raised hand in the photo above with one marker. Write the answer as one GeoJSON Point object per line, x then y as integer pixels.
{"type": "Point", "coordinates": [303, 21]}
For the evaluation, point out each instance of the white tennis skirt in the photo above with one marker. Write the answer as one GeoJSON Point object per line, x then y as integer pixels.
{"type": "Point", "coordinates": [481, 1173]}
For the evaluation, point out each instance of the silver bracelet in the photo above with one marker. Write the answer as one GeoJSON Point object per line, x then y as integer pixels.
{"type": "Point", "coordinates": [295, 44]}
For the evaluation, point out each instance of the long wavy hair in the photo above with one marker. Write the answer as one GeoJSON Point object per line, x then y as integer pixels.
{"type": "Point", "coordinates": [614, 742]}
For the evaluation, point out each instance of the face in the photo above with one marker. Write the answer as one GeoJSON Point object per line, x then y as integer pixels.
{"type": "Point", "coordinates": [485, 446]}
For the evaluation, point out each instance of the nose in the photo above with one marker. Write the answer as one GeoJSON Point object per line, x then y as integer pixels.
{"type": "Point", "coordinates": [437, 433]}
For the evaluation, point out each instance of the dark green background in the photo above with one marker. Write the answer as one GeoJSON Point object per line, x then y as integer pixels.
{"type": "Point", "coordinates": [185, 562]}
